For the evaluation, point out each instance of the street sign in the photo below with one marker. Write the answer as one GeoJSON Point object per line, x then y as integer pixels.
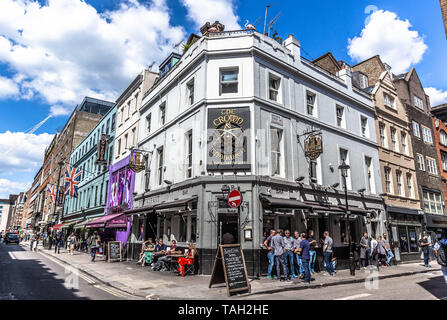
{"type": "Point", "coordinates": [234, 198]}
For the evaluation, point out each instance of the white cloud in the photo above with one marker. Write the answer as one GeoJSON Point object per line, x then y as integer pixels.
{"type": "Point", "coordinates": [58, 110]}
{"type": "Point", "coordinates": [437, 97]}
{"type": "Point", "coordinates": [66, 50]}
{"type": "Point", "coordinates": [201, 11]}
{"type": "Point", "coordinates": [22, 152]}
{"type": "Point", "coordinates": [8, 88]}
{"type": "Point", "coordinates": [8, 187]}
{"type": "Point", "coordinates": [391, 37]}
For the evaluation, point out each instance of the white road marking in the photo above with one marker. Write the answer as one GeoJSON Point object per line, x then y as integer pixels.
{"type": "Point", "coordinates": [13, 257]}
{"type": "Point", "coordinates": [357, 296]}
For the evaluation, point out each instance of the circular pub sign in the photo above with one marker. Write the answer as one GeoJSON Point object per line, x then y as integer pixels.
{"type": "Point", "coordinates": [234, 198]}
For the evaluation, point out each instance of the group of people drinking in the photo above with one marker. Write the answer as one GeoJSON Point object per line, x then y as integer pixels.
{"type": "Point", "coordinates": [158, 256]}
{"type": "Point", "coordinates": [284, 250]}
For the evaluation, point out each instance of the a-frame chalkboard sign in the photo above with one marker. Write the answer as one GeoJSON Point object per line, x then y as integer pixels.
{"type": "Point", "coordinates": [229, 267]}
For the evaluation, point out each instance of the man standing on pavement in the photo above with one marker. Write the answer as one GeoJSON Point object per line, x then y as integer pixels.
{"type": "Point", "coordinates": [327, 253]}
{"type": "Point", "coordinates": [389, 253]}
{"type": "Point", "coordinates": [373, 252]}
{"type": "Point", "coordinates": [277, 244]}
{"type": "Point", "coordinates": [270, 254]}
{"type": "Point", "coordinates": [290, 246]}
{"type": "Point", "coordinates": [364, 250]}
{"type": "Point", "coordinates": [57, 242]}
{"type": "Point", "coordinates": [298, 257]}
{"type": "Point", "coordinates": [305, 257]}
{"type": "Point", "coordinates": [425, 247]}
{"type": "Point", "coordinates": [441, 254]}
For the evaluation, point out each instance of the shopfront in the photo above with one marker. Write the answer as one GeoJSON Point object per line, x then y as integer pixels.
{"type": "Point", "coordinates": [405, 229]}
{"type": "Point", "coordinates": [435, 224]}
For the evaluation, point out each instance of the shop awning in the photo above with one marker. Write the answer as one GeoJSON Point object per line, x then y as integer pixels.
{"type": "Point", "coordinates": [81, 224]}
{"type": "Point", "coordinates": [117, 220]}
{"type": "Point", "coordinates": [57, 226]}
{"type": "Point", "coordinates": [66, 225]}
{"type": "Point", "coordinates": [175, 205]}
{"type": "Point", "coordinates": [273, 202]}
{"type": "Point", "coordinates": [139, 210]}
{"type": "Point", "coordinates": [394, 209]}
{"type": "Point", "coordinates": [436, 221]}
{"type": "Point", "coordinates": [355, 210]}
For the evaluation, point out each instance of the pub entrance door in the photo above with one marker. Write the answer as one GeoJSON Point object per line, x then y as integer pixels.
{"type": "Point", "coordinates": [228, 223]}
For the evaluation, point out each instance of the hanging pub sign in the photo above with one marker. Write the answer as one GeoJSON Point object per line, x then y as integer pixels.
{"type": "Point", "coordinates": [102, 147]}
{"type": "Point", "coordinates": [313, 146]}
{"type": "Point", "coordinates": [137, 161]}
{"type": "Point", "coordinates": [228, 139]}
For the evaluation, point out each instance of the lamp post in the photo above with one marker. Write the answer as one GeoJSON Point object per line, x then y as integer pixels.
{"type": "Point", "coordinates": [60, 164]}
{"type": "Point", "coordinates": [344, 173]}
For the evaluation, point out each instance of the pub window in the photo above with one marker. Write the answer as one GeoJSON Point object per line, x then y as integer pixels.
{"type": "Point", "coordinates": [364, 125]}
{"type": "Point", "coordinates": [369, 175]}
{"type": "Point", "coordinates": [148, 122]}
{"type": "Point", "coordinates": [190, 92]}
{"type": "Point", "coordinates": [274, 84]}
{"type": "Point", "coordinates": [193, 227]}
{"type": "Point", "coordinates": [310, 98]}
{"type": "Point", "coordinates": [340, 116]}
{"type": "Point", "coordinates": [276, 136]}
{"type": "Point", "coordinates": [229, 81]}
{"type": "Point", "coordinates": [162, 110]}
{"type": "Point", "coordinates": [160, 165]}
{"type": "Point", "coordinates": [189, 154]}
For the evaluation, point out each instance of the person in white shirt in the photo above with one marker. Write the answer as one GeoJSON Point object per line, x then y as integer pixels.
{"type": "Point", "coordinates": [373, 254]}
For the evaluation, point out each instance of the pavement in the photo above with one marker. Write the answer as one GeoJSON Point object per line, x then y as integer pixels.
{"type": "Point", "coordinates": [142, 283]}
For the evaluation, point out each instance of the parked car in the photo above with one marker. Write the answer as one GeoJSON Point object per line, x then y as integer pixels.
{"type": "Point", "coordinates": [11, 238]}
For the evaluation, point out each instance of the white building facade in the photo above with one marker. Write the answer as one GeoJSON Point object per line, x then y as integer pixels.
{"type": "Point", "coordinates": [234, 113]}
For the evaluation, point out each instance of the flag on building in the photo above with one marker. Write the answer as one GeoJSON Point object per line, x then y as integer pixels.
{"type": "Point", "coordinates": [72, 178]}
{"type": "Point", "coordinates": [52, 193]}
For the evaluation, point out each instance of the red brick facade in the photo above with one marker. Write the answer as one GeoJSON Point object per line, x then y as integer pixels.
{"type": "Point", "coordinates": [438, 127]}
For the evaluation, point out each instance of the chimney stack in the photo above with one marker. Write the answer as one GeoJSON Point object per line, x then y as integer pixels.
{"type": "Point", "coordinates": [345, 74]}
{"type": "Point", "coordinates": [293, 45]}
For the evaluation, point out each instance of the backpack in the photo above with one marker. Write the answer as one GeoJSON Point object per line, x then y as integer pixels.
{"type": "Point", "coordinates": [441, 256]}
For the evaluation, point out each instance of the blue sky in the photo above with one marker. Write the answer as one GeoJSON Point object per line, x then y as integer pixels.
{"type": "Point", "coordinates": [62, 50]}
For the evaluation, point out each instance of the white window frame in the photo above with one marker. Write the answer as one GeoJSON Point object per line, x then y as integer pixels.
{"type": "Point", "coordinates": [409, 182]}
{"type": "Point", "coordinates": [426, 134]}
{"type": "Point", "coordinates": [279, 154]}
{"type": "Point", "coordinates": [416, 129]}
{"type": "Point", "coordinates": [420, 161]}
{"type": "Point", "coordinates": [388, 180]}
{"type": "Point", "coordinates": [347, 161]}
{"type": "Point", "coordinates": [432, 202]}
{"type": "Point", "coordinates": [162, 112]}
{"type": "Point", "coordinates": [382, 135]}
{"type": "Point", "coordinates": [160, 165]}
{"type": "Point", "coordinates": [388, 100]}
{"type": "Point", "coordinates": [393, 138]}
{"type": "Point", "coordinates": [364, 130]}
{"type": "Point", "coordinates": [403, 142]}
{"type": "Point", "coordinates": [443, 138]}
{"type": "Point", "coordinates": [221, 82]}
{"type": "Point", "coordinates": [314, 106]}
{"type": "Point", "coordinates": [343, 118]}
{"type": "Point", "coordinates": [399, 183]}
{"type": "Point", "coordinates": [370, 179]}
{"type": "Point", "coordinates": [277, 91]}
{"type": "Point", "coordinates": [189, 144]}
{"type": "Point", "coordinates": [444, 161]}
{"type": "Point", "coordinates": [148, 122]}
{"type": "Point", "coordinates": [431, 166]}
{"type": "Point", "coordinates": [418, 102]}
{"type": "Point", "coordinates": [190, 93]}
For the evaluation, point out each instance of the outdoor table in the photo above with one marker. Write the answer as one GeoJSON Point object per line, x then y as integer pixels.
{"type": "Point", "coordinates": [172, 264]}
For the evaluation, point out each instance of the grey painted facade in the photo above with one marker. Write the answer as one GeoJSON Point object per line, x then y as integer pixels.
{"type": "Point", "coordinates": [278, 129]}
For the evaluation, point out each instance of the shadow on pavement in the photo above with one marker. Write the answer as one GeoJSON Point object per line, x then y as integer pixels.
{"type": "Point", "coordinates": [436, 286]}
{"type": "Point", "coordinates": [24, 277]}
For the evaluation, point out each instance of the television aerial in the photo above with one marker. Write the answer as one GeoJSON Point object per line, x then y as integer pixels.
{"type": "Point", "coordinates": [272, 22]}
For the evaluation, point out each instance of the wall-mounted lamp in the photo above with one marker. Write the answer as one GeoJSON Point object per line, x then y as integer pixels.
{"type": "Point", "coordinates": [361, 190]}
{"type": "Point", "coordinates": [299, 179]}
{"type": "Point", "coordinates": [335, 185]}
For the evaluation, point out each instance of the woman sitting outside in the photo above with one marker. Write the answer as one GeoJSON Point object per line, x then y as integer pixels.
{"type": "Point", "coordinates": [167, 257]}
{"type": "Point", "coordinates": [147, 252]}
{"type": "Point", "coordinates": [187, 259]}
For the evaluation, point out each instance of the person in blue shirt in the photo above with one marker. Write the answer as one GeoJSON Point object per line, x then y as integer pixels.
{"type": "Point", "coordinates": [160, 250]}
{"type": "Point", "coordinates": [305, 257]}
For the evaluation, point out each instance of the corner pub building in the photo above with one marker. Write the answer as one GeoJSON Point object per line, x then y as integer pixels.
{"type": "Point", "coordinates": [235, 111]}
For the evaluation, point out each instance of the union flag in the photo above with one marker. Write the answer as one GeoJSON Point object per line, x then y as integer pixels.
{"type": "Point", "coordinates": [52, 193]}
{"type": "Point", "coordinates": [72, 178]}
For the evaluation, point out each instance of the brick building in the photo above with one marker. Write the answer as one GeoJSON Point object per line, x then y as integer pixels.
{"type": "Point", "coordinates": [82, 120]}
{"type": "Point", "coordinates": [396, 157]}
{"type": "Point", "coordinates": [417, 103]}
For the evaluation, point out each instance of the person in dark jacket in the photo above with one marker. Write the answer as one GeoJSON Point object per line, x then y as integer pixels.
{"type": "Point", "coordinates": [440, 249]}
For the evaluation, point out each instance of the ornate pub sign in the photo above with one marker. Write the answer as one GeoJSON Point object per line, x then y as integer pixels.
{"type": "Point", "coordinates": [228, 136]}
{"type": "Point", "coordinates": [313, 146]}
{"type": "Point", "coordinates": [102, 147]}
{"type": "Point", "coordinates": [137, 161]}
